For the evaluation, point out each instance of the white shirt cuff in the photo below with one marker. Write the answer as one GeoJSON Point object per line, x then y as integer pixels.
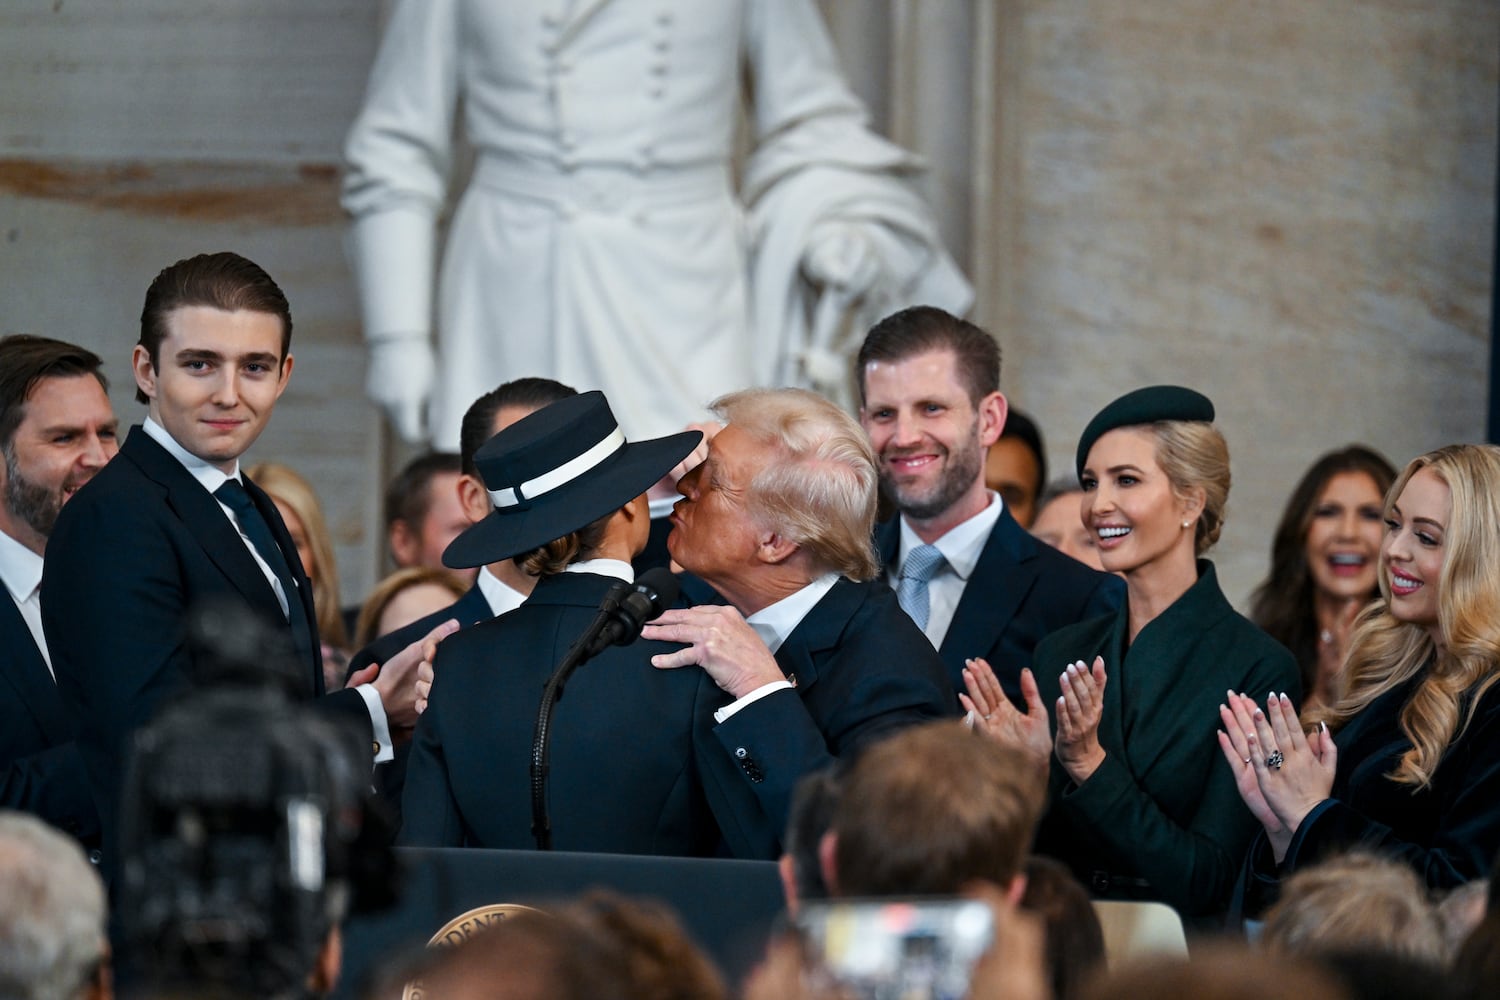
{"type": "Point", "coordinates": [378, 723]}
{"type": "Point", "coordinates": [723, 714]}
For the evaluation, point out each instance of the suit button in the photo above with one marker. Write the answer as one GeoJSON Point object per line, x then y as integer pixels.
{"type": "Point", "coordinates": [95, 857]}
{"type": "Point", "coordinates": [741, 753]}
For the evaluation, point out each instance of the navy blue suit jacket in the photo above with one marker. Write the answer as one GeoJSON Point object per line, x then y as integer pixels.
{"type": "Point", "coordinates": [623, 775]}
{"type": "Point", "coordinates": [131, 552]}
{"type": "Point", "coordinates": [1021, 590]}
{"type": "Point", "coordinates": [40, 769]}
{"type": "Point", "coordinates": [862, 671]}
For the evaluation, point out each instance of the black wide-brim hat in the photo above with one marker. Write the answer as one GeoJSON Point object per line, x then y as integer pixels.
{"type": "Point", "coordinates": [1143, 406]}
{"type": "Point", "coordinates": [557, 470]}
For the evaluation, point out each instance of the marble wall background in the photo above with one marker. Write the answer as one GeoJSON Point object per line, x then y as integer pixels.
{"type": "Point", "coordinates": [1288, 205]}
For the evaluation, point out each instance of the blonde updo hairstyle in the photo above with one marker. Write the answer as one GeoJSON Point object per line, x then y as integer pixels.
{"type": "Point", "coordinates": [1194, 455]}
{"type": "Point", "coordinates": [1385, 653]}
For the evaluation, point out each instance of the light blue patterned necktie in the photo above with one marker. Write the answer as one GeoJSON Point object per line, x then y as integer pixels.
{"type": "Point", "coordinates": [921, 564]}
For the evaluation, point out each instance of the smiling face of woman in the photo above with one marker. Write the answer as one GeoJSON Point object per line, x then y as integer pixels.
{"type": "Point", "coordinates": [1129, 506]}
{"type": "Point", "coordinates": [1412, 553]}
{"type": "Point", "coordinates": [1344, 536]}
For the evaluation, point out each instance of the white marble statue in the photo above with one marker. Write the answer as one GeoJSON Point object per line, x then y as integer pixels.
{"type": "Point", "coordinates": [601, 239]}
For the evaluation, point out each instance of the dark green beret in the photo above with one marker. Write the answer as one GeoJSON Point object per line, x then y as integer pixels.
{"type": "Point", "coordinates": [1145, 406]}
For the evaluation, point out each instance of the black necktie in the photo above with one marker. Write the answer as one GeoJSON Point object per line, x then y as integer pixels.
{"type": "Point", "coordinates": [234, 496]}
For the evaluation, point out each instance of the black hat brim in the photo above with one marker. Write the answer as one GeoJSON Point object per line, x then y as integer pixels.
{"type": "Point", "coordinates": [625, 475]}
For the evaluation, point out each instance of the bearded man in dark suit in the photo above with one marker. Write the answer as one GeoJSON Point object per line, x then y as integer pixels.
{"type": "Point", "coordinates": [971, 577]}
{"type": "Point", "coordinates": [57, 431]}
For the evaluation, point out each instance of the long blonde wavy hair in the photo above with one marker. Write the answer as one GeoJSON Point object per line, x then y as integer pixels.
{"type": "Point", "coordinates": [1385, 653]}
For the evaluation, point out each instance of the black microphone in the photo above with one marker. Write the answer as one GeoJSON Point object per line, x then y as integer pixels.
{"type": "Point", "coordinates": [631, 606]}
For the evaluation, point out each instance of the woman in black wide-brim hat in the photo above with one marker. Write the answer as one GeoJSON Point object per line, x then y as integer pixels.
{"type": "Point", "coordinates": [570, 505]}
{"type": "Point", "coordinates": [1140, 804]}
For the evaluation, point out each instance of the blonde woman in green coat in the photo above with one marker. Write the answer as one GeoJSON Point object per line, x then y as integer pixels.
{"type": "Point", "coordinates": [1123, 707]}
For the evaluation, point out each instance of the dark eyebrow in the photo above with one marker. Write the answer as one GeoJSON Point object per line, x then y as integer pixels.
{"type": "Point", "coordinates": [64, 428]}
{"type": "Point", "coordinates": [1428, 520]}
{"type": "Point", "coordinates": [194, 354]}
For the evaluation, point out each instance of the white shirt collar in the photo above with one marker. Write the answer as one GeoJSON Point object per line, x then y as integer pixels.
{"type": "Point", "coordinates": [499, 595]}
{"type": "Point", "coordinates": [20, 568]}
{"type": "Point", "coordinates": [962, 545]}
{"type": "Point", "coordinates": [208, 475]}
{"type": "Point", "coordinates": [777, 621]}
{"type": "Point", "coordinates": [616, 568]}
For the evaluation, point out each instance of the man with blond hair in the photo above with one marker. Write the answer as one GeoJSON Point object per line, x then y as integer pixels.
{"type": "Point", "coordinates": [811, 658]}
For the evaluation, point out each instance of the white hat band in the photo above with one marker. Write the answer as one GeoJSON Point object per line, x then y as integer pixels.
{"type": "Point", "coordinates": [560, 476]}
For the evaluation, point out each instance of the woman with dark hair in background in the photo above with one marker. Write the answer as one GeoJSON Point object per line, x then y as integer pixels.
{"type": "Point", "coordinates": [1323, 564]}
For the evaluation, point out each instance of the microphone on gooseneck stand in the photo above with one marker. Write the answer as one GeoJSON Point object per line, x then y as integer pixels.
{"type": "Point", "coordinates": [625, 610]}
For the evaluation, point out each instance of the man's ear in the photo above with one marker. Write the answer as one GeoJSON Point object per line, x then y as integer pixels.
{"type": "Point", "coordinates": [404, 543]}
{"type": "Point", "coordinates": [828, 849]}
{"type": "Point", "coordinates": [786, 869]}
{"type": "Point", "coordinates": [473, 498]}
{"type": "Point", "coordinates": [286, 375]}
{"type": "Point", "coordinates": [992, 411]}
{"type": "Point", "coordinates": [143, 370]}
{"type": "Point", "coordinates": [774, 548]}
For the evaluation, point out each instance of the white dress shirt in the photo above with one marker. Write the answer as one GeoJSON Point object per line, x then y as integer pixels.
{"type": "Point", "coordinates": [773, 624]}
{"type": "Point", "coordinates": [499, 595]}
{"type": "Point", "coordinates": [211, 478]}
{"type": "Point", "coordinates": [961, 548]}
{"type": "Point", "coordinates": [21, 572]}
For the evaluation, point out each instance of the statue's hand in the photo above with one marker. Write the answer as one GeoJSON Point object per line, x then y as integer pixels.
{"type": "Point", "coordinates": [399, 380]}
{"type": "Point", "coordinates": [840, 256]}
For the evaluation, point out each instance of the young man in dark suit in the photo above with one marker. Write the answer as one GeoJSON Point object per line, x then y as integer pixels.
{"type": "Point", "coordinates": [57, 431]}
{"type": "Point", "coordinates": [975, 582]}
{"type": "Point", "coordinates": [812, 658]}
{"type": "Point", "coordinates": [171, 522]}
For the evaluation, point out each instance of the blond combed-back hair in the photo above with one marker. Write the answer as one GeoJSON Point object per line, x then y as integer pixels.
{"type": "Point", "coordinates": [1193, 454]}
{"type": "Point", "coordinates": [1385, 653]}
{"type": "Point", "coordinates": [820, 491]}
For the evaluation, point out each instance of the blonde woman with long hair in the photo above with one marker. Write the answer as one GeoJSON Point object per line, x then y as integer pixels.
{"type": "Point", "coordinates": [1407, 762]}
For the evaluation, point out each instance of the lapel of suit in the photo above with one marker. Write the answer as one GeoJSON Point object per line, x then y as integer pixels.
{"type": "Point", "coordinates": [1156, 677]}
{"type": "Point", "coordinates": [1002, 578]}
{"type": "Point", "coordinates": [272, 516]}
{"type": "Point", "coordinates": [818, 632]}
{"type": "Point", "coordinates": [26, 673]}
{"type": "Point", "coordinates": [204, 519]}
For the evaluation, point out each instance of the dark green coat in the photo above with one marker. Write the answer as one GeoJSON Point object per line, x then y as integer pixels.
{"type": "Point", "coordinates": [1160, 818]}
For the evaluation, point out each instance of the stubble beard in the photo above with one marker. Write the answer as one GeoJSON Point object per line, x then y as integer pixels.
{"type": "Point", "coordinates": [961, 469]}
{"type": "Point", "coordinates": [33, 505]}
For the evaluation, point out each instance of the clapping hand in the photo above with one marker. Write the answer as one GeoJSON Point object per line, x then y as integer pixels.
{"type": "Point", "coordinates": [998, 719]}
{"type": "Point", "coordinates": [1293, 772]}
{"type": "Point", "coordinates": [1078, 713]}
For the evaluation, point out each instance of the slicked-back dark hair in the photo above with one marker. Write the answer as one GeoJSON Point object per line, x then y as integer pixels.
{"type": "Point", "coordinates": [24, 361]}
{"type": "Point", "coordinates": [532, 393]}
{"type": "Point", "coordinates": [224, 281]}
{"type": "Point", "coordinates": [920, 329]}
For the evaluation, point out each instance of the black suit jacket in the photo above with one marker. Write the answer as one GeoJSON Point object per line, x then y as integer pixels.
{"type": "Point", "coordinates": [41, 771]}
{"type": "Point", "coordinates": [623, 776]}
{"type": "Point", "coordinates": [1021, 590]}
{"type": "Point", "coordinates": [131, 552]}
{"type": "Point", "coordinates": [862, 671]}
